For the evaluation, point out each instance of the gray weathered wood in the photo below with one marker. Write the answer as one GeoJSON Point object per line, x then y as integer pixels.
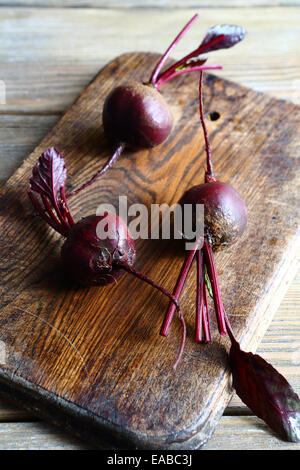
{"type": "Point", "coordinates": [19, 135]}
{"type": "Point", "coordinates": [246, 433]}
{"type": "Point", "coordinates": [70, 45]}
{"type": "Point", "coordinates": [232, 433]}
{"type": "Point", "coordinates": [120, 4]}
{"type": "Point", "coordinates": [36, 436]}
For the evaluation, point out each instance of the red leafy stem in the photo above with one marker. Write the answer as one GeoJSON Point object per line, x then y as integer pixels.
{"type": "Point", "coordinates": [107, 165]}
{"type": "Point", "coordinates": [209, 174]}
{"type": "Point", "coordinates": [164, 57]}
{"type": "Point", "coordinates": [217, 37]}
{"type": "Point", "coordinates": [202, 313]}
{"type": "Point", "coordinates": [178, 288]}
{"type": "Point", "coordinates": [48, 182]}
{"type": "Point", "coordinates": [205, 258]}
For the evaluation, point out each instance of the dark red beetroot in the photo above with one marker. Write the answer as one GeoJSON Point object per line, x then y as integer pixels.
{"type": "Point", "coordinates": [90, 260]}
{"type": "Point", "coordinates": [136, 115]}
{"type": "Point", "coordinates": [257, 383]}
{"type": "Point", "coordinates": [225, 212]}
{"type": "Point", "coordinates": [98, 249]}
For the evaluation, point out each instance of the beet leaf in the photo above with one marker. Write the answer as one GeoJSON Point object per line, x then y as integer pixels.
{"type": "Point", "coordinates": [48, 181]}
{"type": "Point", "coordinates": [221, 36]}
{"type": "Point", "coordinates": [49, 173]}
{"type": "Point", "coordinates": [266, 392]}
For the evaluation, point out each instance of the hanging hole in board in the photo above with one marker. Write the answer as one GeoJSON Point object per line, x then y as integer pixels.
{"type": "Point", "coordinates": [214, 116]}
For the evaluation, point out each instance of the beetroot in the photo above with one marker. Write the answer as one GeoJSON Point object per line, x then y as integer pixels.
{"type": "Point", "coordinates": [136, 115]}
{"type": "Point", "coordinates": [257, 383]}
{"type": "Point", "coordinates": [90, 260]}
{"type": "Point", "coordinates": [225, 212]}
{"type": "Point", "coordinates": [91, 255]}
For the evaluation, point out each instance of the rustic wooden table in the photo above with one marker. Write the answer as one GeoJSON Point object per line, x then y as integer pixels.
{"type": "Point", "coordinates": [51, 48]}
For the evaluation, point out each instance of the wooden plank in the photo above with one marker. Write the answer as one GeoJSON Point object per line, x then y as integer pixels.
{"type": "Point", "coordinates": [18, 137]}
{"type": "Point", "coordinates": [70, 368]}
{"type": "Point", "coordinates": [47, 86]}
{"type": "Point", "coordinates": [36, 436]}
{"type": "Point", "coordinates": [246, 433]}
{"type": "Point", "coordinates": [232, 433]}
{"type": "Point", "coordinates": [121, 4]}
{"type": "Point", "coordinates": [49, 73]}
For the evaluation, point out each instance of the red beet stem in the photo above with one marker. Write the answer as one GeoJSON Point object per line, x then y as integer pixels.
{"type": "Point", "coordinates": [206, 324]}
{"type": "Point", "coordinates": [47, 217]}
{"type": "Point", "coordinates": [164, 57]}
{"type": "Point", "coordinates": [184, 61]}
{"type": "Point", "coordinates": [209, 174]}
{"type": "Point", "coordinates": [174, 301]}
{"type": "Point", "coordinates": [105, 167]}
{"type": "Point", "coordinates": [178, 287]}
{"type": "Point", "coordinates": [66, 207]}
{"type": "Point", "coordinates": [229, 330]}
{"type": "Point", "coordinates": [163, 79]}
{"type": "Point", "coordinates": [199, 296]}
{"type": "Point", "coordinates": [213, 276]}
{"type": "Point", "coordinates": [202, 318]}
{"type": "Point", "coordinates": [57, 207]}
{"type": "Point", "coordinates": [48, 209]}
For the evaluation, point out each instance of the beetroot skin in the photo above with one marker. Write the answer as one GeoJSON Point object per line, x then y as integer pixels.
{"type": "Point", "coordinates": [137, 115]}
{"type": "Point", "coordinates": [92, 261]}
{"type": "Point", "coordinates": [225, 212]}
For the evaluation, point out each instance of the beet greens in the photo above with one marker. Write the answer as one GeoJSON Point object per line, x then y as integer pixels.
{"type": "Point", "coordinates": [135, 115]}
{"type": "Point", "coordinates": [266, 392]}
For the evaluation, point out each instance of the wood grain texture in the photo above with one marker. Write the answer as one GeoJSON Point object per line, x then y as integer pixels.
{"type": "Point", "coordinates": [36, 436]}
{"type": "Point", "coordinates": [120, 4]}
{"type": "Point", "coordinates": [235, 433]}
{"type": "Point", "coordinates": [232, 433]}
{"type": "Point", "coordinates": [76, 362]}
{"type": "Point", "coordinates": [280, 346]}
{"type": "Point", "coordinates": [69, 46]}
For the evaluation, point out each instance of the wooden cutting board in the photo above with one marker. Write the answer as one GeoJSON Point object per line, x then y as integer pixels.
{"type": "Point", "coordinates": [91, 359]}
